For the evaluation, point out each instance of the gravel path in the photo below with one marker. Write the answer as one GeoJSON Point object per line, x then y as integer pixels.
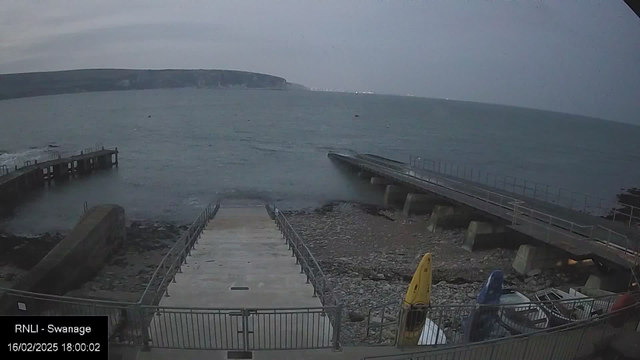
{"type": "Point", "coordinates": [370, 254]}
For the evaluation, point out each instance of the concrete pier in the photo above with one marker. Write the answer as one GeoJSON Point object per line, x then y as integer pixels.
{"type": "Point", "coordinates": [483, 235]}
{"type": "Point", "coordinates": [34, 174]}
{"type": "Point", "coordinates": [419, 204]}
{"type": "Point", "coordinates": [531, 257]}
{"type": "Point", "coordinates": [448, 217]}
{"type": "Point", "coordinates": [613, 283]}
{"type": "Point", "coordinates": [576, 232]}
{"type": "Point", "coordinates": [241, 263]}
{"type": "Point", "coordinates": [380, 181]}
{"type": "Point", "coordinates": [364, 175]}
{"type": "Point", "coordinates": [395, 195]}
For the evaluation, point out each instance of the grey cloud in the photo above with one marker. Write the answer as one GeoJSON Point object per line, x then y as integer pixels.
{"type": "Point", "coordinates": [572, 56]}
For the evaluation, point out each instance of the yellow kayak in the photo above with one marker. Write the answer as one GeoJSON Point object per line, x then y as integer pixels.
{"type": "Point", "coordinates": [418, 296]}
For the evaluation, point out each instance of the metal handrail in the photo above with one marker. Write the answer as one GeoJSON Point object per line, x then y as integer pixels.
{"type": "Point", "coordinates": [310, 267]}
{"type": "Point", "coordinates": [306, 259]}
{"type": "Point", "coordinates": [172, 262]}
{"type": "Point", "coordinates": [536, 192]}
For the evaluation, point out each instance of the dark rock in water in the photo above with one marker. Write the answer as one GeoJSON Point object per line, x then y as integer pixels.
{"type": "Point", "coordinates": [355, 316]}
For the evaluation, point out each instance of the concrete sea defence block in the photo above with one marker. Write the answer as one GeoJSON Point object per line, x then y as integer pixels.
{"type": "Point", "coordinates": [75, 260]}
{"type": "Point", "coordinates": [531, 257]}
{"type": "Point", "coordinates": [394, 194]}
{"type": "Point", "coordinates": [420, 204]}
{"type": "Point", "coordinates": [380, 181]}
{"type": "Point", "coordinates": [484, 235]}
{"type": "Point", "coordinates": [448, 217]}
{"type": "Point", "coordinates": [364, 175]}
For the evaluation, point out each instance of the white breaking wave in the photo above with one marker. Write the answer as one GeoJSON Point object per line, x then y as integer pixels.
{"type": "Point", "coordinates": [11, 159]}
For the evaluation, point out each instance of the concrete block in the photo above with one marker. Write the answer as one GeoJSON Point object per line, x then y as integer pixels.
{"type": "Point", "coordinates": [531, 257]}
{"type": "Point", "coordinates": [614, 283]}
{"type": "Point", "coordinates": [75, 260]}
{"type": "Point", "coordinates": [483, 235]}
{"type": "Point", "coordinates": [380, 181]}
{"type": "Point", "coordinates": [364, 175]}
{"type": "Point", "coordinates": [448, 217]}
{"type": "Point", "coordinates": [420, 204]}
{"type": "Point", "coordinates": [394, 194]}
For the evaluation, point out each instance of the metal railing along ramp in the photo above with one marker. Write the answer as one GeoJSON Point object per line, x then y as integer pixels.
{"type": "Point", "coordinates": [580, 234]}
{"type": "Point", "coordinates": [242, 288]}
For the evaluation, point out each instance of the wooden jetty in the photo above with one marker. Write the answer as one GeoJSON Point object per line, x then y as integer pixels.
{"type": "Point", "coordinates": [16, 182]}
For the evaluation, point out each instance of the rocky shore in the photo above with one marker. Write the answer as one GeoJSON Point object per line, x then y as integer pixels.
{"type": "Point", "coordinates": [370, 253]}
{"type": "Point", "coordinates": [123, 278]}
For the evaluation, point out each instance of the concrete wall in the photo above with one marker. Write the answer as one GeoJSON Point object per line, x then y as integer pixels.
{"type": "Point", "coordinates": [77, 258]}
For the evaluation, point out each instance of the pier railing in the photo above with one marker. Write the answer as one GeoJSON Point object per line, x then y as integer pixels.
{"type": "Point", "coordinates": [537, 222]}
{"type": "Point", "coordinates": [177, 256]}
{"type": "Point", "coordinates": [564, 342]}
{"type": "Point", "coordinates": [574, 200]}
{"type": "Point", "coordinates": [49, 155]}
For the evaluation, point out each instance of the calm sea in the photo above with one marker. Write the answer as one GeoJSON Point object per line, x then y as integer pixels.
{"type": "Point", "coordinates": [181, 148]}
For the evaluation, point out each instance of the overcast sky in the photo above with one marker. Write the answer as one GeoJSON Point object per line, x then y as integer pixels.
{"type": "Point", "coordinates": [576, 56]}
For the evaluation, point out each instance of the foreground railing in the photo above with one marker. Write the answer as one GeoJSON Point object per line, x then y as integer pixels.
{"type": "Point", "coordinates": [172, 262]}
{"type": "Point", "coordinates": [246, 329]}
{"type": "Point", "coordinates": [616, 211]}
{"type": "Point", "coordinates": [458, 324]}
{"type": "Point", "coordinates": [126, 322]}
{"type": "Point", "coordinates": [243, 329]}
{"type": "Point", "coordinates": [570, 341]}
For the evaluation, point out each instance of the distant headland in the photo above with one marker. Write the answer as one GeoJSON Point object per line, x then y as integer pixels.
{"type": "Point", "coordinates": [22, 85]}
